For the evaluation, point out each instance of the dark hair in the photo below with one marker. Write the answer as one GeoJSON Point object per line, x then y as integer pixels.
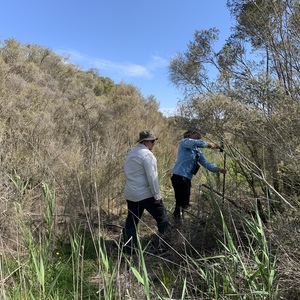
{"type": "Point", "coordinates": [187, 134]}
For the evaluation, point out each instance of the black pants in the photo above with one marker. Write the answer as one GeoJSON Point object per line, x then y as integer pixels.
{"type": "Point", "coordinates": [182, 190]}
{"type": "Point", "coordinates": [135, 212]}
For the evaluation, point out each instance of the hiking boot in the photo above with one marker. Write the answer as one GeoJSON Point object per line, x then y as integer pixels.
{"type": "Point", "coordinates": [178, 213]}
{"type": "Point", "coordinates": [187, 208]}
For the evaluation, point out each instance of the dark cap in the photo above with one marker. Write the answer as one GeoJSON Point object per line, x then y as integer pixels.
{"type": "Point", "coordinates": [197, 129]}
{"type": "Point", "coordinates": [146, 135]}
{"type": "Point", "coordinates": [194, 129]}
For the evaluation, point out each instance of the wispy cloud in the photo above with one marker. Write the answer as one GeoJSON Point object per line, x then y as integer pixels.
{"type": "Point", "coordinates": [120, 69]}
{"type": "Point", "coordinates": [157, 62]}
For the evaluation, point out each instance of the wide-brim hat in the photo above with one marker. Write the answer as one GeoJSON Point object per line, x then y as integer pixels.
{"type": "Point", "coordinates": [146, 135]}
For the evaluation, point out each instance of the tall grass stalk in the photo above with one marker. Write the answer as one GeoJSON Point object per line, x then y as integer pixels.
{"type": "Point", "coordinates": [35, 263]}
{"type": "Point", "coordinates": [77, 250]}
{"type": "Point", "coordinates": [107, 271]}
{"type": "Point", "coordinates": [141, 276]}
{"type": "Point", "coordinates": [242, 269]}
{"type": "Point", "coordinates": [2, 295]}
{"type": "Point", "coordinates": [261, 252]}
{"type": "Point", "coordinates": [49, 214]}
{"type": "Point", "coordinates": [140, 272]}
{"type": "Point", "coordinates": [252, 264]}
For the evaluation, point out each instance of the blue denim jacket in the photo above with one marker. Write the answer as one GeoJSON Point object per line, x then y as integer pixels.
{"type": "Point", "coordinates": [188, 152]}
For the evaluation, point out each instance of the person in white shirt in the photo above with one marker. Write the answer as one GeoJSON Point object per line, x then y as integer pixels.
{"type": "Point", "coordinates": [142, 189]}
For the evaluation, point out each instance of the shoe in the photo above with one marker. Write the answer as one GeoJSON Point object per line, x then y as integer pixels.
{"type": "Point", "coordinates": [187, 208]}
{"type": "Point", "coordinates": [178, 213]}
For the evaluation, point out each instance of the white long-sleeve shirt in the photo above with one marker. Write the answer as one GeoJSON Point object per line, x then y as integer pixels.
{"type": "Point", "coordinates": [141, 175]}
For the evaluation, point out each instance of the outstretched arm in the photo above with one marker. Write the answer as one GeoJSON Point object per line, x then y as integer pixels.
{"type": "Point", "coordinates": [208, 165]}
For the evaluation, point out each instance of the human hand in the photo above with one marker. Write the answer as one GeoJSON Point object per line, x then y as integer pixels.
{"type": "Point", "coordinates": [158, 201]}
{"type": "Point", "coordinates": [213, 146]}
{"type": "Point", "coordinates": [221, 170]}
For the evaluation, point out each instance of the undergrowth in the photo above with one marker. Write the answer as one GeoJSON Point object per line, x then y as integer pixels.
{"type": "Point", "coordinates": [238, 258]}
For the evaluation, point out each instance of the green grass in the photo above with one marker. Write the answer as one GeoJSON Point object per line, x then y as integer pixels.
{"type": "Point", "coordinates": [242, 265]}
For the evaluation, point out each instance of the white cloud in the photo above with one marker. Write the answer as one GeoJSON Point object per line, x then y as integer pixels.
{"type": "Point", "coordinates": [119, 69]}
{"type": "Point", "coordinates": [122, 69]}
{"type": "Point", "coordinates": [157, 62]}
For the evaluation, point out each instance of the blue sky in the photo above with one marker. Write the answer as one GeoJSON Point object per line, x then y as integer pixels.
{"type": "Point", "coordinates": [129, 41]}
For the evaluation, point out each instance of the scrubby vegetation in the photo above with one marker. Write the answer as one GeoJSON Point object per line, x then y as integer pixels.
{"type": "Point", "coordinates": [64, 134]}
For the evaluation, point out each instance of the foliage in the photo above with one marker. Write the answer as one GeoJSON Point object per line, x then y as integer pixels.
{"type": "Point", "coordinates": [64, 135]}
{"type": "Point", "coordinates": [246, 95]}
{"type": "Point", "coordinates": [60, 124]}
{"type": "Point", "coordinates": [253, 104]}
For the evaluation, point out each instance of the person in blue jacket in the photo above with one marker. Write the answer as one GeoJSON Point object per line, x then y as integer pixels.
{"type": "Point", "coordinates": [188, 159]}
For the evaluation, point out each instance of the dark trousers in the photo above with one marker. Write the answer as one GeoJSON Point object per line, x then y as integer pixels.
{"type": "Point", "coordinates": [135, 212]}
{"type": "Point", "coordinates": [182, 190]}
